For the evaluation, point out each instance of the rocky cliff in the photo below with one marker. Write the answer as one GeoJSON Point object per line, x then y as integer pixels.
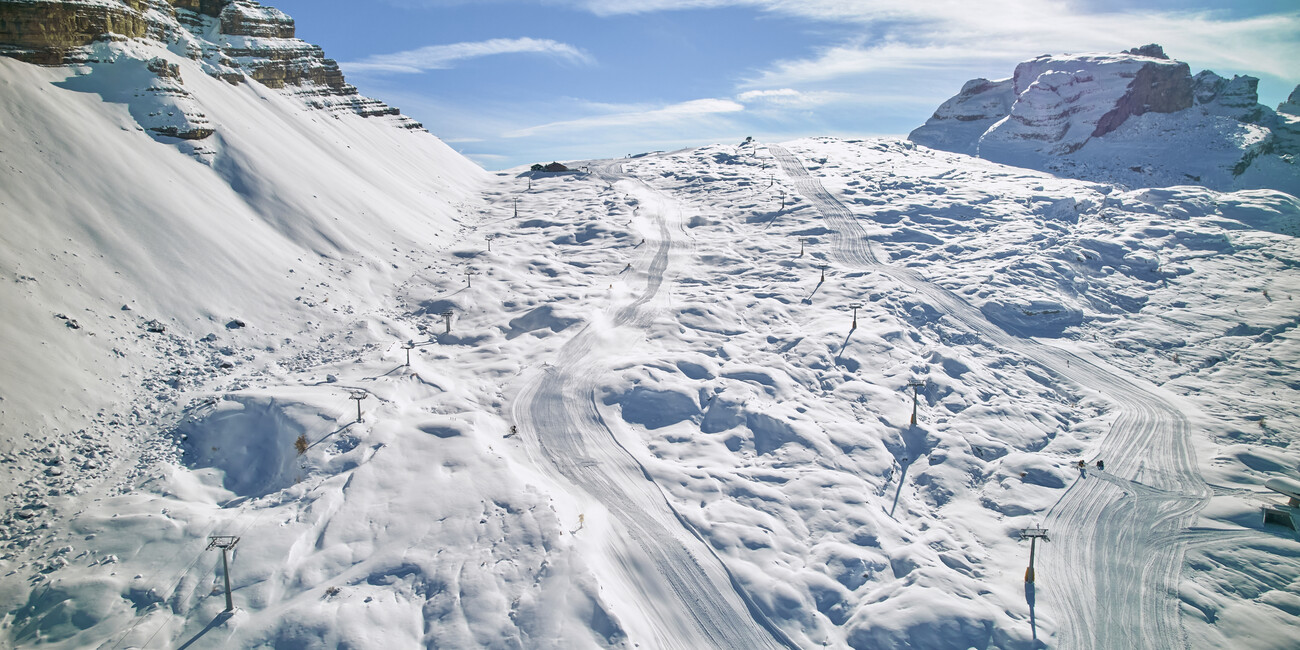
{"type": "Point", "coordinates": [234, 40]}
{"type": "Point", "coordinates": [1127, 118]}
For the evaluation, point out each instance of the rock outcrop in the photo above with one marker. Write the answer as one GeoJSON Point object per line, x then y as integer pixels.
{"type": "Point", "coordinates": [1127, 118]}
{"type": "Point", "coordinates": [233, 40]}
{"type": "Point", "coordinates": [979, 105]}
{"type": "Point", "coordinates": [1288, 124]}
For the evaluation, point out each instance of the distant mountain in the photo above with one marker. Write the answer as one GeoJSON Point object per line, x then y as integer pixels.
{"type": "Point", "coordinates": [1130, 118]}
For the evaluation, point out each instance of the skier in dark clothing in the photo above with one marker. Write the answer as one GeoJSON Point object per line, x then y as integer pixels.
{"type": "Point", "coordinates": [1101, 464]}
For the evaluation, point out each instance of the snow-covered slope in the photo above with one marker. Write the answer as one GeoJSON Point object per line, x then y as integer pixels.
{"type": "Point", "coordinates": [653, 424]}
{"type": "Point", "coordinates": [122, 241]}
{"type": "Point", "coordinates": [1126, 118]}
{"type": "Point", "coordinates": [663, 402]}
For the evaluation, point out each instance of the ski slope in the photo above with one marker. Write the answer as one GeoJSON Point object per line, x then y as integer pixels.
{"type": "Point", "coordinates": [674, 584]}
{"type": "Point", "coordinates": [651, 422]}
{"type": "Point", "coordinates": [1117, 540]}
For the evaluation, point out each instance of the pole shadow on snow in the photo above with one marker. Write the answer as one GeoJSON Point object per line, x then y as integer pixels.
{"type": "Point", "coordinates": [387, 374]}
{"type": "Point", "coordinates": [773, 219]}
{"type": "Point", "coordinates": [331, 434]}
{"type": "Point", "coordinates": [219, 620]}
{"type": "Point", "coordinates": [1033, 620]}
{"type": "Point", "coordinates": [808, 300]}
{"type": "Point", "coordinates": [914, 447]}
{"type": "Point", "coordinates": [902, 478]}
{"type": "Point", "coordinates": [845, 344]}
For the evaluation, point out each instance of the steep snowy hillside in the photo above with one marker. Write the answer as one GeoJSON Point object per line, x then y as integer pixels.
{"type": "Point", "coordinates": [1129, 118]}
{"type": "Point", "coordinates": [171, 220]}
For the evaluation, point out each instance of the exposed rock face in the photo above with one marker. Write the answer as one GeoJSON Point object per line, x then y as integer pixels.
{"type": "Point", "coordinates": [1292, 104]}
{"type": "Point", "coordinates": [966, 117]}
{"type": "Point", "coordinates": [234, 40]}
{"type": "Point", "coordinates": [1128, 118]}
{"type": "Point", "coordinates": [1062, 102]}
{"type": "Point", "coordinates": [46, 31]}
{"type": "Point", "coordinates": [1288, 124]}
{"type": "Point", "coordinates": [1157, 88]}
{"type": "Point", "coordinates": [1237, 97]}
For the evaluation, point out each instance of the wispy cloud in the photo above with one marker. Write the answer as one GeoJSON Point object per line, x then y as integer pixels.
{"type": "Point", "coordinates": [1263, 46]}
{"type": "Point", "coordinates": [672, 114]}
{"type": "Point", "coordinates": [441, 57]}
{"type": "Point", "coordinates": [910, 35]}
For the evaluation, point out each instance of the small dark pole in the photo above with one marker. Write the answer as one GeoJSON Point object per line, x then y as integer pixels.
{"type": "Point", "coordinates": [489, 239]}
{"type": "Point", "coordinates": [915, 386]}
{"type": "Point", "coordinates": [782, 199]}
{"type": "Point", "coordinates": [446, 316]}
{"type": "Point", "coordinates": [802, 241]}
{"type": "Point", "coordinates": [1033, 535]}
{"type": "Point", "coordinates": [823, 268]}
{"type": "Point", "coordinates": [855, 306]}
{"type": "Point", "coordinates": [225, 543]}
{"type": "Point", "coordinates": [407, 346]}
{"type": "Point", "coordinates": [469, 273]}
{"type": "Point", "coordinates": [358, 396]}
{"type": "Point", "coordinates": [516, 207]}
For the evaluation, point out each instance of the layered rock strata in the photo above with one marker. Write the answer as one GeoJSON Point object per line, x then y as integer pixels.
{"type": "Point", "coordinates": [234, 40]}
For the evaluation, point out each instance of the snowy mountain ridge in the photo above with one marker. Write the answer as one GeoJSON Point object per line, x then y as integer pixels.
{"type": "Point", "coordinates": [233, 40]}
{"type": "Point", "coordinates": [1123, 118]}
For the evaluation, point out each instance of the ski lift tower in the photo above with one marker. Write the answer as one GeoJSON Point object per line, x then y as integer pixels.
{"type": "Point", "coordinates": [225, 543]}
{"type": "Point", "coordinates": [1033, 535]}
{"type": "Point", "coordinates": [358, 395]}
{"type": "Point", "coordinates": [915, 386]}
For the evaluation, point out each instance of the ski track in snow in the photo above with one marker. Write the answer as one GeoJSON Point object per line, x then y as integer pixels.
{"type": "Point", "coordinates": [1115, 533]}
{"type": "Point", "coordinates": [689, 588]}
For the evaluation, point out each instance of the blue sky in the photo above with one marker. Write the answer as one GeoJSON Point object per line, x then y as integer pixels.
{"type": "Point", "coordinates": [511, 82]}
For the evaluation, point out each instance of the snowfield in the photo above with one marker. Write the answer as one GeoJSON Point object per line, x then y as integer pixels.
{"type": "Point", "coordinates": [649, 416]}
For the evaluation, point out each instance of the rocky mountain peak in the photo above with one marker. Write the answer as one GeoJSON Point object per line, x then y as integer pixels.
{"type": "Point", "coordinates": [233, 40]}
{"type": "Point", "coordinates": [1125, 118]}
{"type": "Point", "coordinates": [1150, 50]}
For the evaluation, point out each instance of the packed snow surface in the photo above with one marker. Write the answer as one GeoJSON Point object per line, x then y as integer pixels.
{"type": "Point", "coordinates": [658, 402]}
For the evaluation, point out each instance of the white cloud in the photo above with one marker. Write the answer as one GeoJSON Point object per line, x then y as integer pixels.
{"type": "Point", "coordinates": [672, 114]}
{"type": "Point", "coordinates": [441, 57]}
{"type": "Point", "coordinates": [784, 98]}
{"type": "Point", "coordinates": [777, 95]}
{"type": "Point", "coordinates": [910, 35]}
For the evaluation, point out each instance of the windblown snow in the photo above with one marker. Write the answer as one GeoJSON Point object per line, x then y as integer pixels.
{"type": "Point", "coordinates": [661, 402]}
